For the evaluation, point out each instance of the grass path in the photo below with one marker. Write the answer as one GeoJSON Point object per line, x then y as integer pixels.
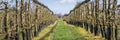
{"type": "Point", "coordinates": [64, 31]}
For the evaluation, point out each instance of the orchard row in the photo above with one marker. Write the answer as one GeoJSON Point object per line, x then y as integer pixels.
{"type": "Point", "coordinates": [99, 17]}
{"type": "Point", "coordinates": [24, 20]}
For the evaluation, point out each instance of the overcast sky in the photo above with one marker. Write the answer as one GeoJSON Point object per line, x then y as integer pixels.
{"type": "Point", "coordinates": [62, 6]}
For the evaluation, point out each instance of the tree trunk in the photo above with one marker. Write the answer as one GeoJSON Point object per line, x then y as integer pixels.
{"type": "Point", "coordinates": [21, 19]}
{"type": "Point", "coordinates": [114, 18]}
{"type": "Point", "coordinates": [5, 22]}
{"type": "Point", "coordinates": [16, 20]}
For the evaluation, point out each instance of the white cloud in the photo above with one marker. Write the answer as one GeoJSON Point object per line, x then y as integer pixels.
{"type": "Point", "coordinates": [67, 1]}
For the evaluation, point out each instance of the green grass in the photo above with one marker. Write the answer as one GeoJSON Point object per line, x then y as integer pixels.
{"type": "Point", "coordinates": [119, 33]}
{"type": "Point", "coordinates": [64, 32]}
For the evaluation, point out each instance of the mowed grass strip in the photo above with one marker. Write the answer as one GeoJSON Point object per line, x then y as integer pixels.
{"type": "Point", "coordinates": [65, 32]}
{"type": "Point", "coordinates": [62, 32]}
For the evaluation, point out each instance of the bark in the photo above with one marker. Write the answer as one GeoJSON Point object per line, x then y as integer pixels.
{"type": "Point", "coordinates": [16, 20]}
{"type": "Point", "coordinates": [21, 19]}
{"type": "Point", "coordinates": [29, 22]}
{"type": "Point", "coordinates": [115, 35]}
{"type": "Point", "coordinates": [109, 27]}
{"type": "Point", "coordinates": [5, 21]}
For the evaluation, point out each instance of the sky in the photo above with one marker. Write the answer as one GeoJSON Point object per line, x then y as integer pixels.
{"type": "Point", "coordinates": [61, 6]}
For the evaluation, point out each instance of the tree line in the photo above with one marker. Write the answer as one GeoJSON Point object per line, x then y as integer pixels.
{"type": "Point", "coordinates": [99, 17]}
{"type": "Point", "coordinates": [23, 19]}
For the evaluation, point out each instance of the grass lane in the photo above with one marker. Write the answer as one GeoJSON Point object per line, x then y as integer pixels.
{"type": "Point", "coordinates": [65, 32]}
{"type": "Point", "coordinates": [62, 32]}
